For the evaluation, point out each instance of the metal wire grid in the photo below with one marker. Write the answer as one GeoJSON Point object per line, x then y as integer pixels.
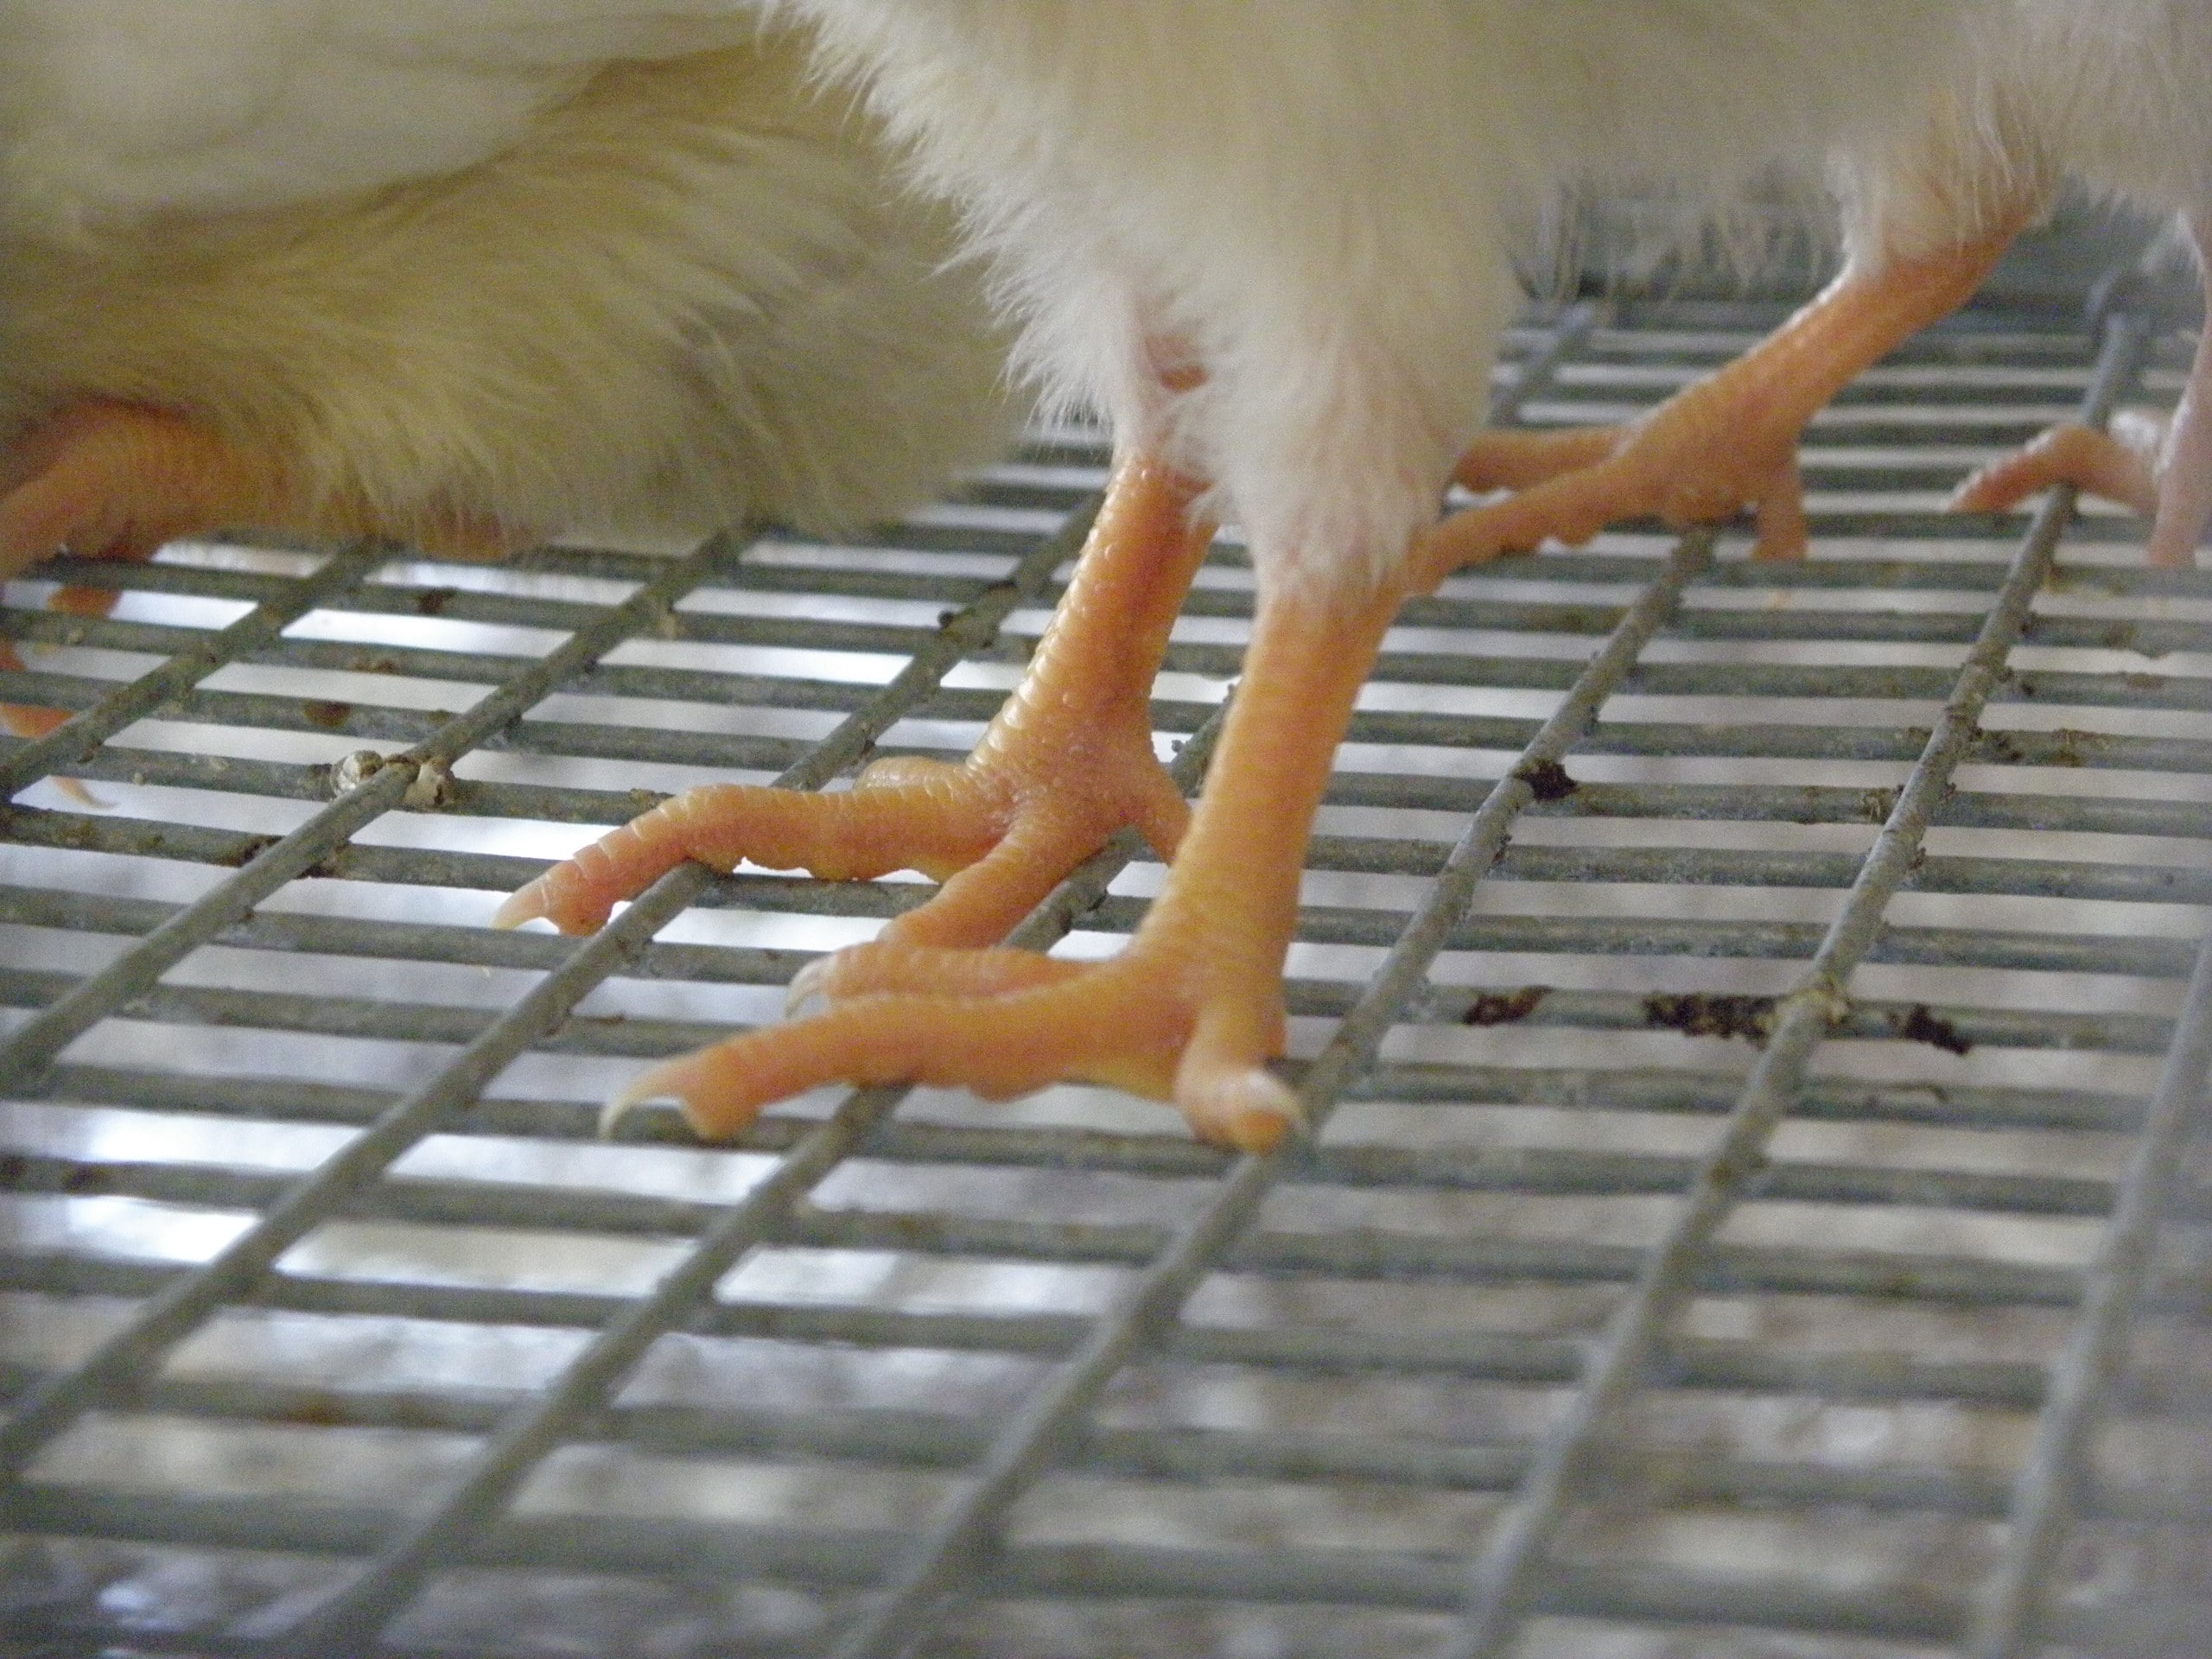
{"type": "Point", "coordinates": [943, 1557]}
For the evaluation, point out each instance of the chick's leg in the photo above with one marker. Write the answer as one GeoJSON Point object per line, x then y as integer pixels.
{"type": "Point", "coordinates": [1191, 1011]}
{"type": "Point", "coordinates": [1067, 762]}
{"type": "Point", "coordinates": [1726, 442]}
{"type": "Point", "coordinates": [110, 479]}
{"type": "Point", "coordinates": [107, 479]}
{"type": "Point", "coordinates": [2161, 468]}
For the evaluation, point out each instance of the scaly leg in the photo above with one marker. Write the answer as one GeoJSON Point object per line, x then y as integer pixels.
{"type": "Point", "coordinates": [1066, 763]}
{"type": "Point", "coordinates": [1191, 1011]}
{"type": "Point", "coordinates": [2161, 468]}
{"type": "Point", "coordinates": [1726, 442]}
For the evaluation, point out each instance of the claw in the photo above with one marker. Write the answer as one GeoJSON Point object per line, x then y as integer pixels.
{"type": "Point", "coordinates": [808, 985]}
{"type": "Point", "coordinates": [1248, 1108]}
{"type": "Point", "coordinates": [640, 1091]}
{"type": "Point", "coordinates": [525, 904]}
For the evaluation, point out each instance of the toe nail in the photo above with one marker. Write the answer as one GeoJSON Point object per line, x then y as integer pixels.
{"type": "Point", "coordinates": [1255, 1110]}
{"type": "Point", "coordinates": [524, 904]}
{"type": "Point", "coordinates": [806, 986]}
{"type": "Point", "coordinates": [1261, 1129]}
{"type": "Point", "coordinates": [647, 1089]}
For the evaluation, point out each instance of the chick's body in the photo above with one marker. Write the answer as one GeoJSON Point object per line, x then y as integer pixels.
{"type": "Point", "coordinates": [2112, 95]}
{"type": "Point", "coordinates": [468, 276]}
{"type": "Point", "coordinates": [1317, 206]}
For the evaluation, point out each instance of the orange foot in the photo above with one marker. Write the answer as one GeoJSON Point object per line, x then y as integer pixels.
{"type": "Point", "coordinates": [2161, 468]}
{"type": "Point", "coordinates": [1727, 442]}
{"type": "Point", "coordinates": [1067, 762]}
{"type": "Point", "coordinates": [1192, 1010]}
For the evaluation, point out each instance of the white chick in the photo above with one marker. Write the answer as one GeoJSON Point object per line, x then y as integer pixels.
{"type": "Point", "coordinates": [2111, 94]}
{"type": "Point", "coordinates": [462, 277]}
{"type": "Point", "coordinates": [1275, 243]}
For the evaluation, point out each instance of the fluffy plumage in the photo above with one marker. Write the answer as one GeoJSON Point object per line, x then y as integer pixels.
{"type": "Point", "coordinates": [480, 274]}
{"type": "Point", "coordinates": [1317, 205]}
{"type": "Point", "coordinates": [2039, 91]}
{"type": "Point", "coordinates": [2112, 95]}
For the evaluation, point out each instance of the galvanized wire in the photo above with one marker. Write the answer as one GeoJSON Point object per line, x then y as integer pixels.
{"type": "Point", "coordinates": [357, 1609]}
{"type": "Point", "coordinates": [958, 1540]}
{"type": "Point", "coordinates": [168, 1318]}
{"type": "Point", "coordinates": [1502, 1589]}
{"type": "Point", "coordinates": [79, 736]}
{"type": "Point", "coordinates": [2014, 1605]}
{"type": "Point", "coordinates": [386, 784]}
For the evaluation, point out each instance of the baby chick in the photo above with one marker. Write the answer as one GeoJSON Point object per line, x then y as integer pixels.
{"type": "Point", "coordinates": [1276, 245]}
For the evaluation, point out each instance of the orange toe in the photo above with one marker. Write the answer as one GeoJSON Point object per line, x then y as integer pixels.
{"type": "Point", "coordinates": [1067, 763]}
{"type": "Point", "coordinates": [2143, 463]}
{"type": "Point", "coordinates": [22, 719]}
{"type": "Point", "coordinates": [2117, 466]}
{"type": "Point", "coordinates": [1001, 1023]}
{"type": "Point", "coordinates": [872, 829]}
{"type": "Point", "coordinates": [25, 720]}
{"type": "Point", "coordinates": [1511, 459]}
{"type": "Point", "coordinates": [1725, 444]}
{"type": "Point", "coordinates": [998, 831]}
{"type": "Point", "coordinates": [1699, 457]}
{"type": "Point", "coordinates": [887, 966]}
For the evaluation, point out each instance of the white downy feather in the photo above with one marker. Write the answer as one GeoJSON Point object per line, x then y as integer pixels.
{"type": "Point", "coordinates": [1318, 203]}
{"type": "Point", "coordinates": [441, 260]}
{"type": "Point", "coordinates": [114, 109]}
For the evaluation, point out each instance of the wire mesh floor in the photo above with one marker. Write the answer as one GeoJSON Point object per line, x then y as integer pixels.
{"type": "Point", "coordinates": [1756, 1018]}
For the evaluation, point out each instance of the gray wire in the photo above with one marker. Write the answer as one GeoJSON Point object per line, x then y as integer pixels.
{"type": "Point", "coordinates": [1503, 1582]}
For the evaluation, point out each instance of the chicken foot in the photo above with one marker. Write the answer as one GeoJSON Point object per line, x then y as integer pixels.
{"type": "Point", "coordinates": [2161, 468]}
{"type": "Point", "coordinates": [1726, 442]}
{"type": "Point", "coordinates": [1191, 1010]}
{"type": "Point", "coordinates": [1066, 762]}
